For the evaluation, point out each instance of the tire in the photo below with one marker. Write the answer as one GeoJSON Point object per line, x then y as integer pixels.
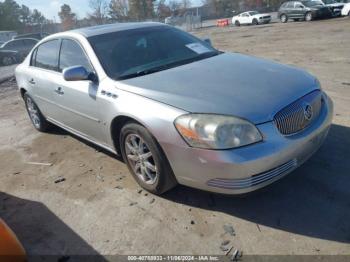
{"type": "Point", "coordinates": [284, 18]}
{"type": "Point", "coordinates": [237, 23]}
{"type": "Point", "coordinates": [7, 60]}
{"type": "Point", "coordinates": [36, 117]}
{"type": "Point", "coordinates": [349, 14]}
{"type": "Point", "coordinates": [147, 163]}
{"type": "Point", "coordinates": [308, 16]}
{"type": "Point", "coordinates": [255, 22]}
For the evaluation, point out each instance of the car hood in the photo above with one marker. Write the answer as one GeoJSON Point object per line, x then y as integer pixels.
{"type": "Point", "coordinates": [229, 84]}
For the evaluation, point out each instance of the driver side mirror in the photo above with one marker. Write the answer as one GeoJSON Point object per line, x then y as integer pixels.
{"type": "Point", "coordinates": [78, 73]}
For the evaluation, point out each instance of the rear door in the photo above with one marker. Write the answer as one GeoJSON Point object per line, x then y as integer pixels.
{"type": "Point", "coordinates": [290, 10]}
{"type": "Point", "coordinates": [299, 10]}
{"type": "Point", "coordinates": [79, 107]}
{"type": "Point", "coordinates": [43, 72]}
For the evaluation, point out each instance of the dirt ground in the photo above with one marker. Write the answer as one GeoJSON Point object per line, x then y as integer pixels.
{"type": "Point", "coordinates": [100, 210]}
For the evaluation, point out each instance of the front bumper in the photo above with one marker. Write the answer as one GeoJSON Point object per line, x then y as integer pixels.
{"type": "Point", "coordinates": [249, 168]}
{"type": "Point", "coordinates": [264, 21]}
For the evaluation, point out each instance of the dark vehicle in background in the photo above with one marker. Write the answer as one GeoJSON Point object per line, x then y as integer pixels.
{"type": "Point", "coordinates": [8, 57]}
{"type": "Point", "coordinates": [37, 36]}
{"type": "Point", "coordinates": [21, 46]}
{"type": "Point", "coordinates": [303, 10]}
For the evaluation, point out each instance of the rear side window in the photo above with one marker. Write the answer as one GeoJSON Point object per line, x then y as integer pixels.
{"type": "Point", "coordinates": [290, 5]}
{"type": "Point", "coordinates": [29, 42]}
{"type": "Point", "coordinates": [13, 44]}
{"type": "Point", "coordinates": [73, 55]}
{"type": "Point", "coordinates": [47, 55]}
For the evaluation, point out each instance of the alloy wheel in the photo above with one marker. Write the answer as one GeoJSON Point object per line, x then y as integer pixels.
{"type": "Point", "coordinates": [283, 18]}
{"type": "Point", "coordinates": [33, 112]}
{"type": "Point", "coordinates": [7, 61]}
{"type": "Point", "coordinates": [308, 17]}
{"type": "Point", "coordinates": [141, 159]}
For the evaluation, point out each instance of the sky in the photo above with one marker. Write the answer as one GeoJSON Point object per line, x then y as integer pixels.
{"type": "Point", "coordinates": [50, 8]}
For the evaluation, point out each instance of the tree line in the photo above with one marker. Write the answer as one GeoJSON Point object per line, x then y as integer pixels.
{"type": "Point", "coordinates": [14, 16]}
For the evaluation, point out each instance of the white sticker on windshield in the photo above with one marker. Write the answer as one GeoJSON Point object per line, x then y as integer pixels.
{"type": "Point", "coordinates": [198, 48]}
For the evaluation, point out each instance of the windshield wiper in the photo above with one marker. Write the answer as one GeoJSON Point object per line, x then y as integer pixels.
{"type": "Point", "coordinates": [168, 66]}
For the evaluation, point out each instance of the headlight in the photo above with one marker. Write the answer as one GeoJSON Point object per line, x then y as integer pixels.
{"type": "Point", "coordinates": [216, 131]}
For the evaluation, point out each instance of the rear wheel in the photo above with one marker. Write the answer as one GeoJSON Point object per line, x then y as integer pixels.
{"type": "Point", "coordinates": [284, 18]}
{"type": "Point", "coordinates": [308, 16]}
{"type": "Point", "coordinates": [237, 23]}
{"type": "Point", "coordinates": [7, 60]}
{"type": "Point", "coordinates": [38, 120]}
{"type": "Point", "coordinates": [145, 159]}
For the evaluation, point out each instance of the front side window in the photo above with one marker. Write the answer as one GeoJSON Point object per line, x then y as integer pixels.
{"type": "Point", "coordinates": [47, 55]}
{"type": "Point", "coordinates": [132, 53]}
{"type": "Point", "coordinates": [73, 55]}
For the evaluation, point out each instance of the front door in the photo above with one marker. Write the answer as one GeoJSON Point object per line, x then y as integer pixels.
{"type": "Point", "coordinates": [79, 107]}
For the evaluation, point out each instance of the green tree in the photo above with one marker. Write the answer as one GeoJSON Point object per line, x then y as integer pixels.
{"type": "Point", "coordinates": [9, 15]}
{"type": "Point", "coordinates": [25, 15]}
{"type": "Point", "coordinates": [68, 18]}
{"type": "Point", "coordinates": [37, 17]}
{"type": "Point", "coordinates": [141, 9]}
{"type": "Point", "coordinates": [119, 10]}
{"type": "Point", "coordinates": [99, 11]}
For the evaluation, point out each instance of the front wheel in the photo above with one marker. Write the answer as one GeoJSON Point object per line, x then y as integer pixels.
{"type": "Point", "coordinates": [255, 22]}
{"type": "Point", "coordinates": [308, 16]}
{"type": "Point", "coordinates": [284, 18]}
{"type": "Point", "coordinates": [145, 159]}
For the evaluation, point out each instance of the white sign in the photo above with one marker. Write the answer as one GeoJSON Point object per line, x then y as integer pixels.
{"type": "Point", "coordinates": [198, 48]}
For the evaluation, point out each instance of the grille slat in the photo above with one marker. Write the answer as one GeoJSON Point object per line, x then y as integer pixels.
{"type": "Point", "coordinates": [292, 119]}
{"type": "Point", "coordinates": [254, 180]}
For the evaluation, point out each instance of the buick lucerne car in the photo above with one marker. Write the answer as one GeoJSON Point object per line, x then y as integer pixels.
{"type": "Point", "coordinates": [175, 108]}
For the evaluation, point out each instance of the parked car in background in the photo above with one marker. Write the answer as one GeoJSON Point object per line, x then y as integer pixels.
{"type": "Point", "coordinates": [251, 18]}
{"type": "Point", "coordinates": [8, 57]}
{"type": "Point", "coordinates": [303, 10]}
{"type": "Point", "coordinates": [37, 36]}
{"type": "Point", "coordinates": [346, 10]}
{"type": "Point", "coordinates": [21, 46]}
{"type": "Point", "coordinates": [175, 108]}
{"type": "Point", "coordinates": [334, 6]}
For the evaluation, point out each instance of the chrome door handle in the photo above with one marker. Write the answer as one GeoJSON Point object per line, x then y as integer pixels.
{"type": "Point", "coordinates": [59, 91]}
{"type": "Point", "coordinates": [31, 81]}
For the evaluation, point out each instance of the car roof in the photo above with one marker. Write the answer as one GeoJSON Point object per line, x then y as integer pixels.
{"type": "Point", "coordinates": [111, 28]}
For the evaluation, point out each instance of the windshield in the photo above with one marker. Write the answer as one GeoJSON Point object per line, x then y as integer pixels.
{"type": "Point", "coordinates": [312, 3]}
{"type": "Point", "coordinates": [137, 52]}
{"type": "Point", "coordinates": [253, 13]}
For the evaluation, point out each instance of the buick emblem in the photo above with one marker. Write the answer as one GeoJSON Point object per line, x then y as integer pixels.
{"type": "Point", "coordinates": [308, 112]}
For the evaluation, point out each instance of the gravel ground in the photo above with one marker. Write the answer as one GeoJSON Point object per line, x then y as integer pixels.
{"type": "Point", "coordinates": [100, 210]}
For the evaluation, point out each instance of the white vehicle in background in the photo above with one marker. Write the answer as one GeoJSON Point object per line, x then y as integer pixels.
{"type": "Point", "coordinates": [346, 10]}
{"type": "Point", "coordinates": [251, 18]}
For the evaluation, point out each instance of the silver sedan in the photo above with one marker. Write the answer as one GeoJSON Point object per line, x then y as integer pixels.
{"type": "Point", "coordinates": [175, 108]}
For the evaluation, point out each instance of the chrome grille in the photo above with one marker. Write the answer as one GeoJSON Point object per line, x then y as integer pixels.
{"type": "Point", "coordinates": [254, 180]}
{"type": "Point", "coordinates": [297, 116]}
